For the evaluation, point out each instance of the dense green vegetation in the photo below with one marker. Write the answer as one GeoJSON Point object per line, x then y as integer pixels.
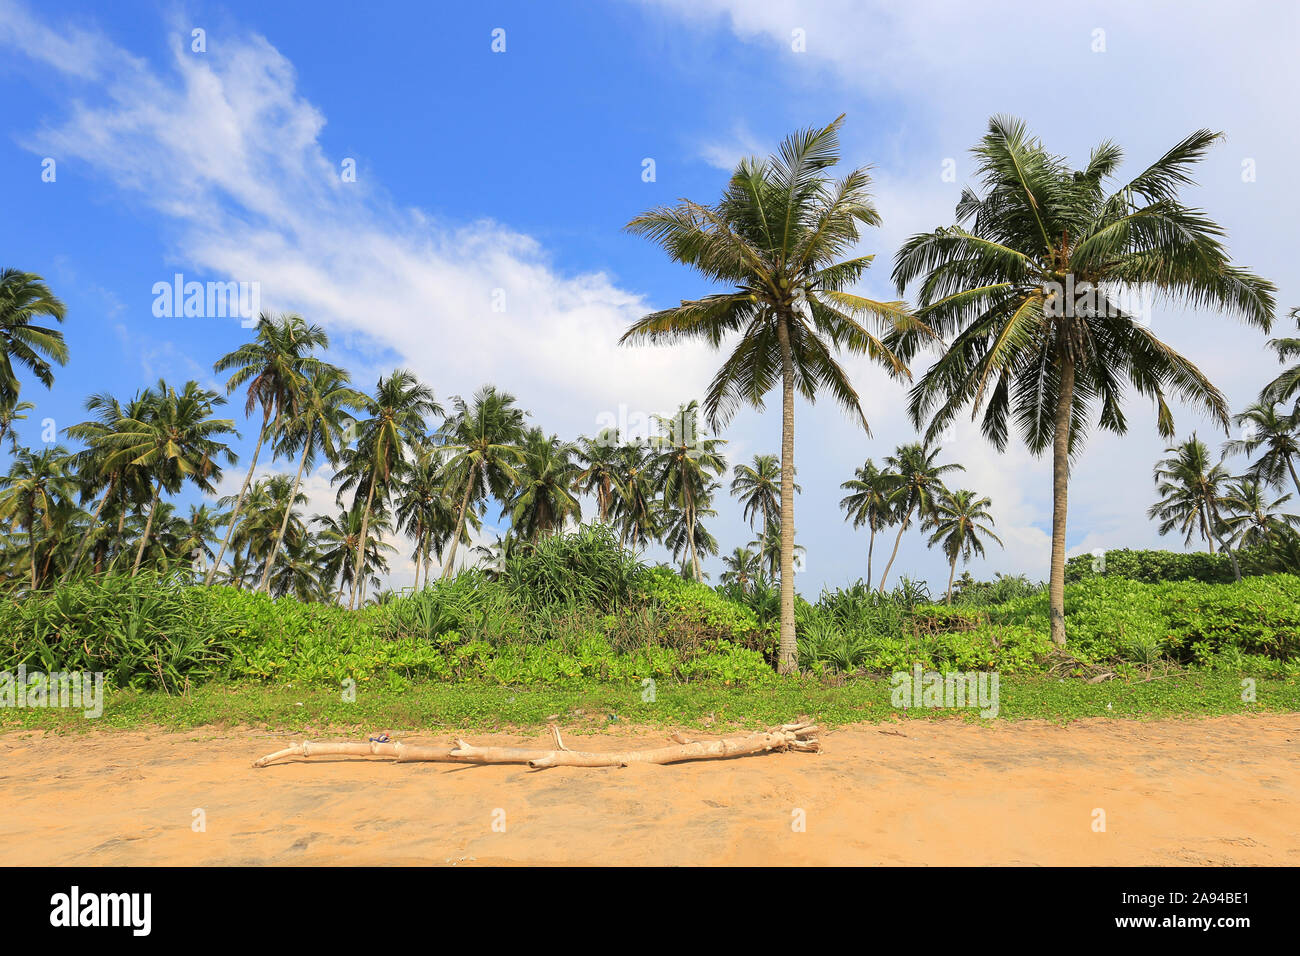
{"type": "Point", "coordinates": [579, 609]}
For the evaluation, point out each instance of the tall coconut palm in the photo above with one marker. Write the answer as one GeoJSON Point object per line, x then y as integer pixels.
{"type": "Point", "coordinates": [425, 511]}
{"type": "Point", "coordinates": [685, 464]}
{"type": "Point", "coordinates": [317, 423]}
{"type": "Point", "coordinates": [867, 503]}
{"type": "Point", "coordinates": [757, 487]}
{"type": "Point", "coordinates": [23, 298]}
{"type": "Point", "coordinates": [638, 511]}
{"type": "Point", "coordinates": [1192, 494]}
{"type": "Point", "coordinates": [481, 441]}
{"type": "Point", "coordinates": [684, 531]}
{"type": "Point", "coordinates": [1276, 435]}
{"type": "Point", "coordinates": [776, 238]}
{"type": "Point", "coordinates": [31, 492]}
{"type": "Point", "coordinates": [98, 466]}
{"type": "Point", "coordinates": [272, 369]}
{"type": "Point", "coordinates": [1190, 489]}
{"type": "Point", "coordinates": [175, 440]}
{"type": "Point", "coordinates": [543, 498]}
{"type": "Point", "coordinates": [1030, 284]}
{"type": "Point", "coordinates": [600, 458]}
{"type": "Point", "coordinates": [961, 522]}
{"type": "Point", "coordinates": [385, 444]}
{"type": "Point", "coordinates": [915, 482]}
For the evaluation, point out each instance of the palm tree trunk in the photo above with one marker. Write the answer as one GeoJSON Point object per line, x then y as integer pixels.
{"type": "Point", "coordinates": [952, 573]}
{"type": "Point", "coordinates": [788, 648]}
{"type": "Point", "coordinates": [239, 502]}
{"type": "Point", "coordinates": [148, 527]}
{"type": "Point", "coordinates": [1290, 466]}
{"type": "Point", "coordinates": [460, 523]}
{"type": "Point", "coordinates": [284, 522]}
{"type": "Point", "coordinates": [31, 535]}
{"type": "Point", "coordinates": [690, 540]}
{"type": "Point", "coordinates": [1060, 492]}
{"type": "Point", "coordinates": [893, 554]}
{"type": "Point", "coordinates": [94, 521]}
{"type": "Point", "coordinates": [871, 544]}
{"type": "Point", "coordinates": [1227, 547]}
{"type": "Point", "coordinates": [359, 576]}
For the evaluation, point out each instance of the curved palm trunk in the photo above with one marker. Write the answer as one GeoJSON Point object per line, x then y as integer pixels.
{"type": "Point", "coordinates": [1290, 466]}
{"type": "Point", "coordinates": [148, 528]}
{"type": "Point", "coordinates": [359, 575]}
{"type": "Point", "coordinates": [239, 502]}
{"type": "Point", "coordinates": [893, 554]}
{"type": "Point", "coordinates": [263, 585]}
{"type": "Point", "coordinates": [788, 648]}
{"type": "Point", "coordinates": [94, 522]}
{"type": "Point", "coordinates": [1060, 494]}
{"type": "Point", "coordinates": [460, 522]}
{"type": "Point", "coordinates": [952, 573]}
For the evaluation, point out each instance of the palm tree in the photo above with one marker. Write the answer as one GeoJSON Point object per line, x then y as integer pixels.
{"type": "Point", "coordinates": [1287, 385]}
{"type": "Point", "coordinates": [543, 499]}
{"type": "Point", "coordinates": [915, 482]}
{"type": "Point", "coordinates": [396, 425]}
{"type": "Point", "coordinates": [868, 503]}
{"type": "Point", "coordinates": [340, 538]}
{"type": "Point", "coordinates": [685, 464]}
{"type": "Point", "coordinates": [1190, 492]}
{"type": "Point", "coordinates": [1028, 285]}
{"type": "Point", "coordinates": [24, 297]}
{"type": "Point", "coordinates": [743, 567]}
{"type": "Point", "coordinates": [277, 503]}
{"type": "Point", "coordinates": [98, 466]}
{"type": "Point", "coordinates": [957, 523]}
{"type": "Point", "coordinates": [638, 511]}
{"type": "Point", "coordinates": [30, 493]}
{"type": "Point", "coordinates": [1251, 519]}
{"type": "Point", "coordinates": [174, 440]}
{"type": "Point", "coordinates": [302, 573]}
{"type": "Point", "coordinates": [318, 423]}
{"type": "Point", "coordinates": [11, 411]}
{"type": "Point", "coordinates": [481, 441]}
{"type": "Point", "coordinates": [768, 545]}
{"type": "Point", "coordinates": [600, 458]}
{"type": "Point", "coordinates": [424, 510]}
{"type": "Point", "coordinates": [758, 488]}
{"type": "Point", "coordinates": [1278, 436]}
{"type": "Point", "coordinates": [274, 367]}
{"type": "Point", "coordinates": [776, 238]}
{"type": "Point", "coordinates": [200, 530]}
{"type": "Point", "coordinates": [685, 533]}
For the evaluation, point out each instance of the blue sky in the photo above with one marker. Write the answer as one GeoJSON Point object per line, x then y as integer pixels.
{"type": "Point", "coordinates": [480, 171]}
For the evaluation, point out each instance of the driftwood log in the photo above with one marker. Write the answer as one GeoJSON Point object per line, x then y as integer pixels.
{"type": "Point", "coordinates": [800, 735]}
